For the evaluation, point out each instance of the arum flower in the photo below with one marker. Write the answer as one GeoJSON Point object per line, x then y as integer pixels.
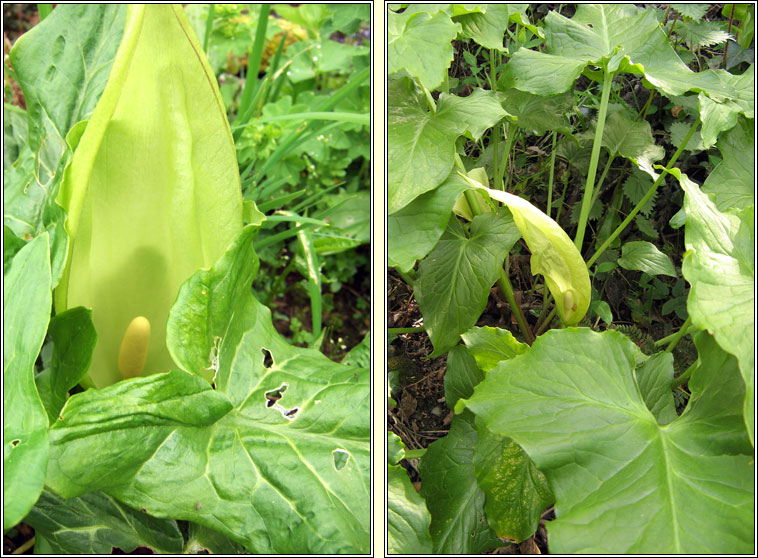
{"type": "Point", "coordinates": [152, 192]}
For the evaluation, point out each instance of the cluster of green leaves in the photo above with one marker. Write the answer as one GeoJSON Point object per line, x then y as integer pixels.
{"type": "Point", "coordinates": [123, 198]}
{"type": "Point", "coordinates": [578, 419]}
{"type": "Point", "coordinates": [299, 102]}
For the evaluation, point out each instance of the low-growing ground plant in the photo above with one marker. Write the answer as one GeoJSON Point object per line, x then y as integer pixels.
{"type": "Point", "coordinates": [571, 251]}
{"type": "Point", "coordinates": [149, 401]}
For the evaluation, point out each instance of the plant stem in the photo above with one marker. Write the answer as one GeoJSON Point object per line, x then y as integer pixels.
{"type": "Point", "coordinates": [400, 330]}
{"type": "Point", "coordinates": [643, 113]}
{"type": "Point", "coordinates": [684, 376]}
{"type": "Point", "coordinates": [645, 198]}
{"type": "Point", "coordinates": [409, 277]}
{"type": "Point", "coordinates": [546, 322]}
{"type": "Point", "coordinates": [506, 153]}
{"type": "Point", "coordinates": [563, 195]}
{"type": "Point", "coordinates": [726, 45]}
{"type": "Point", "coordinates": [495, 150]}
{"type": "Point", "coordinates": [588, 187]}
{"type": "Point", "coordinates": [552, 175]}
{"type": "Point", "coordinates": [278, 282]}
{"type": "Point", "coordinates": [208, 27]}
{"type": "Point", "coordinates": [665, 18]}
{"type": "Point", "coordinates": [602, 179]}
{"type": "Point", "coordinates": [678, 335]}
{"type": "Point", "coordinates": [414, 454]}
{"type": "Point", "coordinates": [505, 286]}
{"type": "Point", "coordinates": [430, 100]}
{"type": "Point", "coordinates": [495, 128]}
{"type": "Point", "coordinates": [24, 547]}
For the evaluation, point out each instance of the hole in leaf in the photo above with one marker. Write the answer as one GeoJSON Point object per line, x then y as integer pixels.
{"type": "Point", "coordinates": [15, 442]}
{"type": "Point", "coordinates": [340, 458]}
{"type": "Point", "coordinates": [275, 395]}
{"type": "Point", "coordinates": [268, 359]}
{"type": "Point", "coordinates": [213, 356]}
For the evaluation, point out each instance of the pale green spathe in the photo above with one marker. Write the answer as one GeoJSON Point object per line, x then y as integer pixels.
{"type": "Point", "coordinates": [153, 190]}
{"type": "Point", "coordinates": [554, 256]}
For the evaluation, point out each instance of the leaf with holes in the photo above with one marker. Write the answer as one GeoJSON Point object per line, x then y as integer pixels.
{"type": "Point", "coordinates": [276, 457]}
{"type": "Point", "coordinates": [95, 523]}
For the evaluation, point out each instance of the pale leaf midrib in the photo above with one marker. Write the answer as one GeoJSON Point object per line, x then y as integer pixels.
{"type": "Point", "coordinates": [670, 489]}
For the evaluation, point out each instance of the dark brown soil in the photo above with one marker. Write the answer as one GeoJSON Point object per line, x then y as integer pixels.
{"type": "Point", "coordinates": [421, 414]}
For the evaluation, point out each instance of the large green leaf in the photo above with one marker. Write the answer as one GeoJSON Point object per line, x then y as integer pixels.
{"type": "Point", "coordinates": [421, 144]}
{"type": "Point", "coordinates": [732, 182]}
{"type": "Point", "coordinates": [414, 230]}
{"type": "Point", "coordinates": [421, 44]}
{"type": "Point", "coordinates": [516, 492]}
{"type": "Point", "coordinates": [15, 133]}
{"type": "Point", "coordinates": [454, 280]}
{"type": "Point", "coordinates": [539, 114]}
{"type": "Point", "coordinates": [540, 73]}
{"type": "Point", "coordinates": [720, 266]}
{"type": "Point", "coordinates": [490, 345]}
{"type": "Point", "coordinates": [73, 337]}
{"type": "Point", "coordinates": [554, 256]}
{"type": "Point", "coordinates": [618, 37]}
{"type": "Point", "coordinates": [407, 517]}
{"type": "Point", "coordinates": [654, 377]}
{"type": "Point", "coordinates": [200, 539]}
{"type": "Point", "coordinates": [573, 403]}
{"type": "Point", "coordinates": [644, 256]}
{"type": "Point", "coordinates": [486, 27]}
{"type": "Point", "coordinates": [61, 65]}
{"type": "Point", "coordinates": [632, 140]}
{"type": "Point", "coordinates": [461, 375]}
{"type": "Point", "coordinates": [448, 484]}
{"type": "Point", "coordinates": [27, 300]}
{"type": "Point", "coordinates": [152, 192]}
{"type": "Point", "coordinates": [11, 246]}
{"type": "Point", "coordinates": [95, 523]}
{"type": "Point", "coordinates": [717, 114]}
{"type": "Point", "coordinates": [276, 457]}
